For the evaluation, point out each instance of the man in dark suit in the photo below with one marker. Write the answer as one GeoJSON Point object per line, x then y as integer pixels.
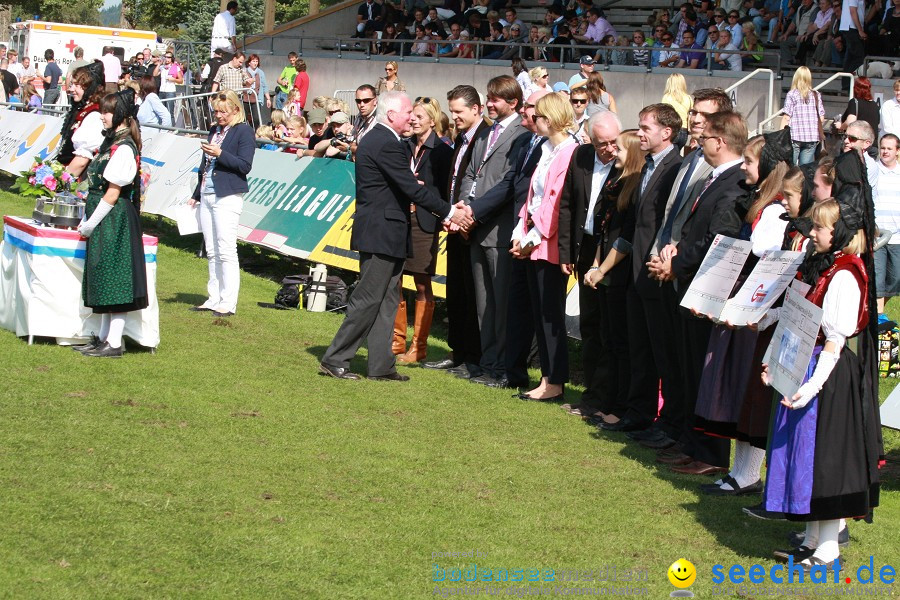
{"type": "Point", "coordinates": [493, 154]}
{"type": "Point", "coordinates": [462, 327]}
{"type": "Point", "coordinates": [723, 141]}
{"type": "Point", "coordinates": [659, 123]}
{"type": "Point", "coordinates": [515, 184]}
{"type": "Point", "coordinates": [592, 167]}
{"type": "Point", "coordinates": [385, 186]}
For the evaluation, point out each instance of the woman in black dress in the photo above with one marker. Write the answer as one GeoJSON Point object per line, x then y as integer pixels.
{"type": "Point", "coordinates": [431, 163]}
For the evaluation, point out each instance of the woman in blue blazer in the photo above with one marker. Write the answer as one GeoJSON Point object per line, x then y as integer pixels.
{"type": "Point", "coordinates": [227, 158]}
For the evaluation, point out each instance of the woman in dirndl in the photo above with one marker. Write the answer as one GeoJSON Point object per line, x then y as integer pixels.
{"type": "Point", "coordinates": [115, 276]}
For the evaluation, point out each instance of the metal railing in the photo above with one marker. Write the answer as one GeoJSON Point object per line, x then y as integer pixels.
{"type": "Point", "coordinates": [770, 106]}
{"type": "Point", "coordinates": [194, 112]}
{"type": "Point", "coordinates": [762, 124]}
{"type": "Point", "coordinates": [46, 109]}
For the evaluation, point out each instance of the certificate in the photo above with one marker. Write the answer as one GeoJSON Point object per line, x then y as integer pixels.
{"type": "Point", "coordinates": [765, 284]}
{"type": "Point", "coordinates": [188, 219]}
{"type": "Point", "coordinates": [715, 279]}
{"type": "Point", "coordinates": [793, 342]}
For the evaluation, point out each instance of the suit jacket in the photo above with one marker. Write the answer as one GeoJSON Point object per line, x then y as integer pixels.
{"type": "Point", "coordinates": [484, 171]}
{"type": "Point", "coordinates": [230, 173]}
{"type": "Point", "coordinates": [464, 162]}
{"type": "Point", "coordinates": [434, 167]}
{"type": "Point", "coordinates": [647, 219]}
{"type": "Point", "coordinates": [515, 183]}
{"type": "Point", "coordinates": [546, 217]}
{"type": "Point", "coordinates": [713, 214]}
{"type": "Point", "coordinates": [574, 202]}
{"type": "Point", "coordinates": [385, 186]}
{"type": "Point", "coordinates": [693, 189]}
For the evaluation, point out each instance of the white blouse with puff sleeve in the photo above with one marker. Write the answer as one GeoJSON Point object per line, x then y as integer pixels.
{"type": "Point", "coordinates": [88, 137]}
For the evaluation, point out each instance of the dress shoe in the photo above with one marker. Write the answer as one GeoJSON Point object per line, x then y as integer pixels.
{"type": "Point", "coordinates": [501, 384]}
{"type": "Point", "coordinates": [389, 377]}
{"type": "Point", "coordinates": [799, 553]}
{"type": "Point", "coordinates": [94, 343]}
{"type": "Point", "coordinates": [525, 396]}
{"type": "Point", "coordinates": [736, 490]}
{"type": "Point", "coordinates": [796, 538]}
{"type": "Point", "coordinates": [447, 363]}
{"type": "Point", "coordinates": [222, 314]}
{"type": "Point", "coordinates": [674, 450]}
{"type": "Point", "coordinates": [623, 425]}
{"type": "Point", "coordinates": [336, 372]}
{"type": "Point", "coordinates": [104, 350]}
{"type": "Point", "coordinates": [676, 459]}
{"type": "Point", "coordinates": [648, 434]}
{"type": "Point", "coordinates": [660, 444]}
{"type": "Point", "coordinates": [461, 371]}
{"type": "Point", "coordinates": [698, 468]}
{"type": "Point", "coordinates": [812, 561]}
{"type": "Point", "coordinates": [759, 512]}
{"type": "Point", "coordinates": [200, 309]}
{"type": "Point", "coordinates": [485, 379]}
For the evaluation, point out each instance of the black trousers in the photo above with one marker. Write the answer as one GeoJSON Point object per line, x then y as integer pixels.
{"type": "Point", "coordinates": [672, 416]}
{"type": "Point", "coordinates": [463, 335]}
{"type": "Point", "coordinates": [547, 286]}
{"type": "Point", "coordinates": [695, 340]}
{"type": "Point", "coordinates": [519, 325]}
{"type": "Point", "coordinates": [595, 356]}
{"type": "Point", "coordinates": [856, 52]}
{"type": "Point", "coordinates": [614, 327]}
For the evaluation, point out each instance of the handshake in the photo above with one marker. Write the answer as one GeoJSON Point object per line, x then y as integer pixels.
{"type": "Point", "coordinates": [462, 220]}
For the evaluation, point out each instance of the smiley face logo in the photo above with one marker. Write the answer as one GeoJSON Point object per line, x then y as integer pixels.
{"type": "Point", "coordinates": [682, 573]}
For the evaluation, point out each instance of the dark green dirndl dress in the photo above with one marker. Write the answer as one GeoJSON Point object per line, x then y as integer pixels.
{"type": "Point", "coordinates": [115, 275]}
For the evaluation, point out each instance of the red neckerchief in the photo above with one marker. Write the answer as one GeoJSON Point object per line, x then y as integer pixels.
{"type": "Point", "coordinates": [85, 111]}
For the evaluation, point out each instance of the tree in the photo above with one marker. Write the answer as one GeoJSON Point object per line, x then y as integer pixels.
{"type": "Point", "coordinates": [86, 12]}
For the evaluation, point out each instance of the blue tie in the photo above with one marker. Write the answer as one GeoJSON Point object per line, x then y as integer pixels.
{"type": "Point", "coordinates": [647, 172]}
{"type": "Point", "coordinates": [666, 235]}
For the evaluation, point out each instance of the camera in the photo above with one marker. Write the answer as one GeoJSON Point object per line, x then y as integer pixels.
{"type": "Point", "coordinates": [342, 137]}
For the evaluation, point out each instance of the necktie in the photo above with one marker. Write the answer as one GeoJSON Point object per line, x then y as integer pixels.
{"type": "Point", "coordinates": [495, 133]}
{"type": "Point", "coordinates": [646, 172]}
{"type": "Point", "coordinates": [708, 183]}
{"type": "Point", "coordinates": [666, 235]}
{"type": "Point", "coordinates": [531, 147]}
{"type": "Point", "coordinates": [459, 156]}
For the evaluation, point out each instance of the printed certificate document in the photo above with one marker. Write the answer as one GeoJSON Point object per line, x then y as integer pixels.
{"type": "Point", "coordinates": [765, 284]}
{"type": "Point", "coordinates": [793, 342]}
{"type": "Point", "coordinates": [719, 271]}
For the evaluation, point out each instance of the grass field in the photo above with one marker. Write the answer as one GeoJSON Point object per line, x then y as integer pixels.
{"type": "Point", "coordinates": [223, 467]}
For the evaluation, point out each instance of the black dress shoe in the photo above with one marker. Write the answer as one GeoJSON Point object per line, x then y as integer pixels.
{"type": "Point", "coordinates": [759, 512]}
{"type": "Point", "coordinates": [336, 372]}
{"type": "Point", "coordinates": [91, 345]}
{"type": "Point", "coordinates": [625, 424]}
{"type": "Point", "coordinates": [389, 377]}
{"type": "Point", "coordinates": [660, 444]}
{"type": "Point", "coordinates": [800, 553]}
{"type": "Point", "coordinates": [557, 398]}
{"type": "Point", "coordinates": [649, 434]}
{"type": "Point", "coordinates": [796, 538]}
{"type": "Point", "coordinates": [461, 371]}
{"type": "Point", "coordinates": [483, 379]}
{"type": "Point", "coordinates": [736, 490]}
{"type": "Point", "coordinates": [447, 363]}
{"type": "Point", "coordinates": [502, 384]}
{"type": "Point", "coordinates": [104, 350]}
{"type": "Point", "coordinates": [222, 314]}
{"type": "Point", "coordinates": [200, 309]}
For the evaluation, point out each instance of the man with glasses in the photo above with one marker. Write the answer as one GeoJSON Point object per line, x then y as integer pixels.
{"type": "Point", "coordinates": [669, 56]}
{"type": "Point", "coordinates": [592, 166]}
{"type": "Point", "coordinates": [366, 103]}
{"type": "Point", "coordinates": [578, 97]}
{"type": "Point", "coordinates": [858, 137]}
{"type": "Point", "coordinates": [231, 74]}
{"type": "Point", "coordinates": [712, 39]}
{"type": "Point", "coordinates": [690, 58]}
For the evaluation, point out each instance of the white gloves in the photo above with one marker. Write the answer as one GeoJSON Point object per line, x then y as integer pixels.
{"type": "Point", "coordinates": [768, 319]}
{"type": "Point", "coordinates": [813, 386]}
{"type": "Point", "coordinates": [86, 228]}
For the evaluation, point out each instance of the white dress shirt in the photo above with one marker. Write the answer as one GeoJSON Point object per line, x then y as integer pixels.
{"type": "Point", "coordinates": [598, 180]}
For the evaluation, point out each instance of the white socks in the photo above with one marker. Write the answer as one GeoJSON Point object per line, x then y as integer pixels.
{"type": "Point", "coordinates": [115, 329]}
{"type": "Point", "coordinates": [812, 535]}
{"type": "Point", "coordinates": [747, 463]}
{"type": "Point", "coordinates": [828, 548]}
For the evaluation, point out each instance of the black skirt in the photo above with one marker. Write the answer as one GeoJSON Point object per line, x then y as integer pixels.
{"type": "Point", "coordinates": [425, 247]}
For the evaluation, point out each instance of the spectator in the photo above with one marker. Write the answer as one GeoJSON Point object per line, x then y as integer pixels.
{"type": "Point", "coordinates": [224, 34]}
{"type": "Point", "coordinates": [170, 76]}
{"type": "Point", "coordinates": [301, 82]}
{"type": "Point", "coordinates": [258, 84]}
{"type": "Point", "coordinates": [151, 110]}
{"type": "Point", "coordinates": [726, 61]}
{"type": "Point", "coordinates": [285, 81]}
{"type": "Point", "coordinates": [539, 80]}
{"type": "Point", "coordinates": [112, 69]}
{"type": "Point", "coordinates": [890, 113]}
{"type": "Point", "coordinates": [853, 17]}
{"type": "Point", "coordinates": [712, 40]}
{"type": "Point", "coordinates": [318, 123]}
{"type": "Point", "coordinates": [861, 107]}
{"type": "Point", "coordinates": [295, 134]}
{"type": "Point", "coordinates": [368, 15]}
{"type": "Point", "coordinates": [420, 45]}
{"type": "Point", "coordinates": [278, 121]}
{"type": "Point", "coordinates": [339, 144]}
{"type": "Point", "coordinates": [598, 28]}
{"type": "Point", "coordinates": [292, 106]}
{"type": "Point", "coordinates": [752, 49]}
{"type": "Point", "coordinates": [579, 79]}
{"type": "Point", "coordinates": [734, 26]}
{"type": "Point", "coordinates": [768, 15]}
{"type": "Point", "coordinates": [563, 53]}
{"type": "Point", "coordinates": [51, 76]}
{"type": "Point", "coordinates": [388, 47]}
{"type": "Point", "coordinates": [578, 98]}
{"type": "Point", "coordinates": [231, 76]}
{"type": "Point", "coordinates": [804, 112]}
{"type": "Point", "coordinates": [598, 98]}
{"type": "Point", "coordinates": [889, 31]}
{"type": "Point", "coordinates": [669, 56]}
{"type": "Point", "coordinates": [676, 96]}
{"type": "Point", "coordinates": [690, 57]}
{"type": "Point", "coordinates": [366, 103]}
{"type": "Point", "coordinates": [465, 50]}
{"type": "Point", "coordinates": [520, 72]}
{"type": "Point", "coordinates": [31, 97]}
{"type": "Point", "coordinates": [493, 51]}
{"type": "Point", "coordinates": [641, 54]}
{"type": "Point", "coordinates": [391, 80]}
{"type": "Point", "coordinates": [207, 74]}
{"type": "Point", "coordinates": [619, 55]}
{"type": "Point", "coordinates": [15, 67]}
{"type": "Point", "coordinates": [10, 83]}
{"type": "Point", "coordinates": [887, 217]}
{"type": "Point", "coordinates": [265, 132]}
{"type": "Point", "coordinates": [828, 51]}
{"type": "Point", "coordinates": [79, 61]}
{"type": "Point", "coordinates": [28, 72]}
{"type": "Point", "coordinates": [815, 31]}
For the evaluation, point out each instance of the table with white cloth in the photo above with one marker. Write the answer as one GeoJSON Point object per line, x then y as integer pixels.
{"type": "Point", "coordinates": [40, 286]}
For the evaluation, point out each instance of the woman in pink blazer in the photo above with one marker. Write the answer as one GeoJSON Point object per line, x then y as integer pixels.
{"type": "Point", "coordinates": [535, 240]}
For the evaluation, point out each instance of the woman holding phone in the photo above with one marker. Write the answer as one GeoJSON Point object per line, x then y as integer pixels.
{"type": "Point", "coordinates": [227, 158]}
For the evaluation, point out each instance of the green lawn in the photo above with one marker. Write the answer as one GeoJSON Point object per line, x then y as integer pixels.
{"type": "Point", "coordinates": [222, 466]}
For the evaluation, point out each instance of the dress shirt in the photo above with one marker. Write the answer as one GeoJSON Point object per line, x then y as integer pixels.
{"type": "Point", "coordinates": [652, 164]}
{"type": "Point", "coordinates": [887, 201]}
{"type": "Point", "coordinates": [598, 180]}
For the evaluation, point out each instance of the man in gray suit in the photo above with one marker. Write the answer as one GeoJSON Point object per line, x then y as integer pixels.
{"type": "Point", "coordinates": [493, 155]}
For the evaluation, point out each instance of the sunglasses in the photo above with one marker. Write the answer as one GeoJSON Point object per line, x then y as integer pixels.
{"type": "Point", "coordinates": [423, 100]}
{"type": "Point", "coordinates": [169, 56]}
{"type": "Point", "coordinates": [364, 100]}
{"type": "Point", "coordinates": [536, 116]}
{"type": "Point", "coordinates": [331, 112]}
{"type": "Point", "coordinates": [853, 139]}
{"type": "Point", "coordinates": [389, 70]}
{"type": "Point", "coordinates": [578, 101]}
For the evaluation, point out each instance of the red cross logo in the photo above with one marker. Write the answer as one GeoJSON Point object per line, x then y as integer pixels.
{"type": "Point", "coordinates": [71, 46]}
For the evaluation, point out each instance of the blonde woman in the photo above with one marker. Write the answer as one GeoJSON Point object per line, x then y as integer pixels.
{"type": "Point", "coordinates": [391, 81]}
{"type": "Point", "coordinates": [539, 78]}
{"type": "Point", "coordinates": [676, 96]}
{"type": "Point", "coordinates": [227, 158]}
{"type": "Point", "coordinates": [431, 163]}
{"type": "Point", "coordinates": [598, 98]}
{"type": "Point", "coordinates": [536, 240]}
{"type": "Point", "coordinates": [804, 112]}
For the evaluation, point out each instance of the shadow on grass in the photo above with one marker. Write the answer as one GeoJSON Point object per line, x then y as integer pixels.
{"type": "Point", "coordinates": [186, 298]}
{"type": "Point", "coordinates": [721, 516]}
